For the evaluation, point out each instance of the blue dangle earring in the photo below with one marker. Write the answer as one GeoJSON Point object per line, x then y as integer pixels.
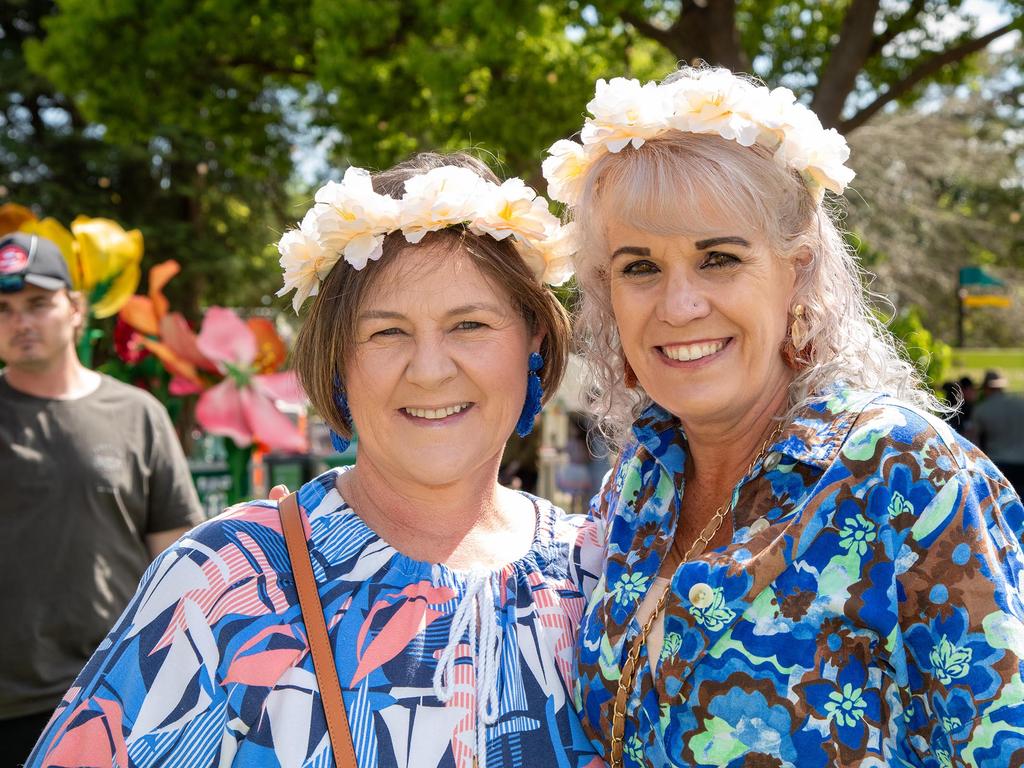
{"type": "Point", "coordinates": [340, 443]}
{"type": "Point", "coordinates": [534, 395]}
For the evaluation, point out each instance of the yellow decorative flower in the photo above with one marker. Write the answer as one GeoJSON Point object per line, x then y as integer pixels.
{"type": "Point", "coordinates": [103, 259]}
{"type": "Point", "coordinates": [106, 263]}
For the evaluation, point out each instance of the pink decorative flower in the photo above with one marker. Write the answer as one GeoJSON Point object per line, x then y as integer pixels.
{"type": "Point", "coordinates": [242, 405]}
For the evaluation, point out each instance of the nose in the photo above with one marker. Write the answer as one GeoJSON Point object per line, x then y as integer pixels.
{"type": "Point", "coordinates": [683, 299]}
{"type": "Point", "coordinates": [431, 364]}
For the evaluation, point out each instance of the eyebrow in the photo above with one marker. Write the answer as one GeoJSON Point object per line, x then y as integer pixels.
{"type": "Point", "coordinates": [465, 309]}
{"type": "Point", "coordinates": [703, 245]}
{"type": "Point", "coordinates": [631, 250]}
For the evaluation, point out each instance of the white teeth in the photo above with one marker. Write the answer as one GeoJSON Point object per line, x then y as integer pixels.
{"type": "Point", "coordinates": [436, 413]}
{"type": "Point", "coordinates": [687, 352]}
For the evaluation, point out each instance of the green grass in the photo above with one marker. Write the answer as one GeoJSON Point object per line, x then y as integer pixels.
{"type": "Point", "coordinates": [974, 363]}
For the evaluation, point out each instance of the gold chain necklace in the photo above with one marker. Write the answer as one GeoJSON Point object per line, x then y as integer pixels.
{"type": "Point", "coordinates": [629, 668]}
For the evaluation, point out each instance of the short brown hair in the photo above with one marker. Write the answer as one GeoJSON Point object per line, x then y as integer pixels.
{"type": "Point", "coordinates": [327, 336]}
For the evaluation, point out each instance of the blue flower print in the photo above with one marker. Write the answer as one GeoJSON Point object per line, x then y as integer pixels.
{"type": "Point", "coordinates": [899, 505]}
{"type": "Point", "coordinates": [630, 588]}
{"type": "Point", "coordinates": [949, 661]}
{"type": "Point", "coordinates": [946, 649]}
{"type": "Point", "coordinates": [875, 622]}
{"type": "Point", "coordinates": [856, 534]}
{"type": "Point", "coordinates": [673, 642]}
{"type": "Point", "coordinates": [846, 706]}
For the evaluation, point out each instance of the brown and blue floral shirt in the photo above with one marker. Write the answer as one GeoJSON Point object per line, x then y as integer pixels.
{"type": "Point", "coordinates": [868, 612]}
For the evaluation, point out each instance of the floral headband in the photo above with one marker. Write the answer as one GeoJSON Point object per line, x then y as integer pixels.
{"type": "Point", "coordinates": [711, 101]}
{"type": "Point", "coordinates": [349, 221]}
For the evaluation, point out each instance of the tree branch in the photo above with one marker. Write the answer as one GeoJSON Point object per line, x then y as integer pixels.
{"type": "Point", "coordinates": [923, 71]}
{"type": "Point", "coordinates": [264, 67]}
{"type": "Point", "coordinates": [667, 37]}
{"type": "Point", "coordinates": [847, 58]}
{"type": "Point", "coordinates": [897, 27]}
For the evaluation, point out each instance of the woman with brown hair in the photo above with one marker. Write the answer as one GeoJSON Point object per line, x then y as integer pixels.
{"type": "Point", "coordinates": [451, 602]}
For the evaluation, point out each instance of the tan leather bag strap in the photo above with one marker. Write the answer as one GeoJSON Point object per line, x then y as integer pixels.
{"type": "Point", "coordinates": [316, 631]}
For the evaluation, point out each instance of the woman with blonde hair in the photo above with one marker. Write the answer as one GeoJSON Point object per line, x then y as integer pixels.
{"type": "Point", "coordinates": [805, 567]}
{"type": "Point", "coordinates": [409, 611]}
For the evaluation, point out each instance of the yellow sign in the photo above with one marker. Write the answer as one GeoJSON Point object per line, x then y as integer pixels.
{"type": "Point", "coordinates": [991, 300]}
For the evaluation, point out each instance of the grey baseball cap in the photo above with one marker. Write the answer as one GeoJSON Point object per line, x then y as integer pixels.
{"type": "Point", "coordinates": [31, 259]}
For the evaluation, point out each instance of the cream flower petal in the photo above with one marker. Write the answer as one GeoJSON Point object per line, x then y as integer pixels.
{"type": "Point", "coordinates": [364, 248]}
{"type": "Point", "coordinates": [626, 114]}
{"type": "Point", "coordinates": [350, 221]}
{"type": "Point", "coordinates": [564, 169]}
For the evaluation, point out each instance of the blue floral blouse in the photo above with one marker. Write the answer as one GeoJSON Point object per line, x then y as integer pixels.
{"type": "Point", "coordinates": [868, 611]}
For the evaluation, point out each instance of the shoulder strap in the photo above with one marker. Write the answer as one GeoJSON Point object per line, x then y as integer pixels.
{"type": "Point", "coordinates": [316, 631]}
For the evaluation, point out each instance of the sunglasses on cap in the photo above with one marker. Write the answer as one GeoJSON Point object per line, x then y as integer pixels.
{"type": "Point", "coordinates": [12, 283]}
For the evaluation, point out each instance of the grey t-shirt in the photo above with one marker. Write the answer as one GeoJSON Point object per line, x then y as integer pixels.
{"type": "Point", "coordinates": [999, 421]}
{"type": "Point", "coordinates": [81, 484]}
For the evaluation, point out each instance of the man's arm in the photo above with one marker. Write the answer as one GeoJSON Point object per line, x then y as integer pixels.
{"type": "Point", "coordinates": [158, 542]}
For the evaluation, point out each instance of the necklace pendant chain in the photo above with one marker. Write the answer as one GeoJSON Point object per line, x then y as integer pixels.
{"type": "Point", "coordinates": [632, 662]}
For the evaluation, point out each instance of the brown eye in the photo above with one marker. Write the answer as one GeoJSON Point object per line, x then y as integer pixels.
{"type": "Point", "coordinates": [639, 268]}
{"type": "Point", "coordinates": [719, 259]}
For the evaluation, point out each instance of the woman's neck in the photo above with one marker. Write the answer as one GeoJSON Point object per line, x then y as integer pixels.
{"type": "Point", "coordinates": [721, 453]}
{"type": "Point", "coordinates": [473, 523]}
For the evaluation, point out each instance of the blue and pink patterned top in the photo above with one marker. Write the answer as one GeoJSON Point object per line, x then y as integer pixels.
{"type": "Point", "coordinates": [209, 664]}
{"type": "Point", "coordinates": [868, 612]}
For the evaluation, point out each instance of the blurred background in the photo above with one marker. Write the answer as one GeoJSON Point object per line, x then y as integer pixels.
{"type": "Point", "coordinates": [208, 124]}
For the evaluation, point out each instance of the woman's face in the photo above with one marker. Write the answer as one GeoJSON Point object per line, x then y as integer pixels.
{"type": "Point", "coordinates": [701, 318]}
{"type": "Point", "coordinates": [438, 374]}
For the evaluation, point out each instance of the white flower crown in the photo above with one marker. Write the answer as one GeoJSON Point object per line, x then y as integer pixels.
{"type": "Point", "coordinates": [349, 220]}
{"type": "Point", "coordinates": [711, 101]}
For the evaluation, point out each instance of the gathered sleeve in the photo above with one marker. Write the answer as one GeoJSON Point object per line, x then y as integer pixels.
{"type": "Point", "coordinates": [960, 581]}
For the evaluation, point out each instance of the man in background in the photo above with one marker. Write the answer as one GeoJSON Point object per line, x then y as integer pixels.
{"type": "Point", "coordinates": [94, 486]}
{"type": "Point", "coordinates": [997, 426]}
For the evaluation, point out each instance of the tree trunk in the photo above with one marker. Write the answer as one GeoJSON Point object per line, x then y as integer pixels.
{"type": "Point", "coordinates": [704, 31]}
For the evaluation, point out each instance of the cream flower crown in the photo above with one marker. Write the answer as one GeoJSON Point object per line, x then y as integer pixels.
{"type": "Point", "coordinates": [349, 221]}
{"type": "Point", "coordinates": [711, 101]}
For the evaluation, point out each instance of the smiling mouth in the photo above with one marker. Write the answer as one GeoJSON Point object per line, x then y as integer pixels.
{"type": "Point", "coordinates": [689, 352]}
{"type": "Point", "coordinates": [436, 414]}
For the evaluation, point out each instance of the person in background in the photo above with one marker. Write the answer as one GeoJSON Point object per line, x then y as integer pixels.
{"type": "Point", "coordinates": [960, 396]}
{"type": "Point", "coordinates": [95, 486]}
{"type": "Point", "coordinates": [997, 426]}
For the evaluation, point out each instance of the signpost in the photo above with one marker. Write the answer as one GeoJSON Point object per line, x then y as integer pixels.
{"type": "Point", "coordinates": [977, 288]}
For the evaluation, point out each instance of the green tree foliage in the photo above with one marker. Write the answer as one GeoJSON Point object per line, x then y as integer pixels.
{"type": "Point", "coordinates": [931, 356]}
{"type": "Point", "coordinates": [939, 187]}
{"type": "Point", "coordinates": [215, 99]}
{"type": "Point", "coordinates": [851, 58]}
{"type": "Point", "coordinates": [151, 140]}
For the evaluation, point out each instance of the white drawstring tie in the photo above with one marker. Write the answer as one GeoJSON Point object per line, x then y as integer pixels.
{"type": "Point", "coordinates": [477, 618]}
